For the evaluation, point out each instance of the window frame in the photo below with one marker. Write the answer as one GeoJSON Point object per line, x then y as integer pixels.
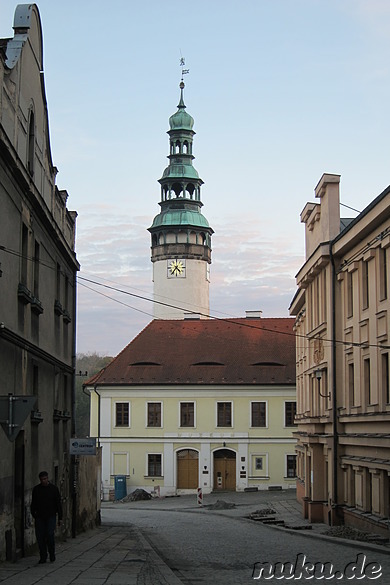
{"type": "Point", "coordinates": [154, 426]}
{"type": "Point", "coordinates": [226, 426]}
{"type": "Point", "coordinates": [187, 426]}
{"type": "Point", "coordinates": [365, 285]}
{"type": "Point", "coordinates": [123, 425]}
{"type": "Point", "coordinates": [257, 473]}
{"type": "Point", "coordinates": [294, 455]}
{"type": "Point", "coordinates": [261, 426]}
{"type": "Point", "coordinates": [148, 464]}
{"type": "Point", "coordinates": [286, 402]}
{"type": "Point", "coordinates": [383, 292]}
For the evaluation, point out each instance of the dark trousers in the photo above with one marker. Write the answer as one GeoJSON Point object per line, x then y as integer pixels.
{"type": "Point", "coordinates": [44, 531]}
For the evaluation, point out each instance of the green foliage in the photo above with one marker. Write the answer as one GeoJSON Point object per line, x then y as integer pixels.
{"type": "Point", "coordinates": [86, 366]}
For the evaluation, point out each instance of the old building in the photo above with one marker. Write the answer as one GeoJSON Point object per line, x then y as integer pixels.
{"type": "Point", "coordinates": [180, 233]}
{"type": "Point", "coordinates": [37, 292]}
{"type": "Point", "coordinates": [342, 311]}
{"type": "Point", "coordinates": [192, 401]}
{"type": "Point", "coordinates": [199, 403]}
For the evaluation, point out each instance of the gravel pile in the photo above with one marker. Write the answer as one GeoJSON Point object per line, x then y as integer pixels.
{"type": "Point", "coordinates": [136, 496]}
{"type": "Point", "coordinates": [265, 512]}
{"type": "Point", "coordinates": [354, 534]}
{"type": "Point", "coordinates": [221, 505]}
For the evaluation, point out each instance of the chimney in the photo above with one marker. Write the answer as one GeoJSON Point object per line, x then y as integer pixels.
{"type": "Point", "coordinates": [193, 316]}
{"type": "Point", "coordinates": [253, 314]}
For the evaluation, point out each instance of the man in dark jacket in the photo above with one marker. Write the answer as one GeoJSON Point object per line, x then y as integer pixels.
{"type": "Point", "coordinates": [45, 505]}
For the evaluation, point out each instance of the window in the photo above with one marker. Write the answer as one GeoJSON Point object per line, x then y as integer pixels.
{"type": "Point", "coordinates": [365, 287]}
{"type": "Point", "coordinates": [382, 274]}
{"type": "Point", "coordinates": [385, 377]}
{"type": "Point", "coordinates": [367, 380]}
{"type": "Point", "coordinates": [290, 410]}
{"type": "Point", "coordinates": [36, 271]}
{"type": "Point", "coordinates": [154, 465]}
{"type": "Point", "coordinates": [258, 463]}
{"type": "Point", "coordinates": [58, 282]}
{"type": "Point", "coordinates": [351, 384]}
{"type": "Point", "coordinates": [23, 271]}
{"type": "Point", "coordinates": [349, 294]}
{"type": "Point", "coordinates": [31, 144]}
{"type": "Point", "coordinates": [122, 414]}
{"type": "Point", "coordinates": [154, 414]}
{"type": "Point", "coordinates": [258, 414]}
{"type": "Point", "coordinates": [224, 414]}
{"type": "Point", "coordinates": [291, 466]}
{"type": "Point", "coordinates": [187, 414]}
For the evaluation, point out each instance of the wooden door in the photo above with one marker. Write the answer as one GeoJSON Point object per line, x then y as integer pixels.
{"type": "Point", "coordinates": [187, 469]}
{"type": "Point", "coordinates": [225, 470]}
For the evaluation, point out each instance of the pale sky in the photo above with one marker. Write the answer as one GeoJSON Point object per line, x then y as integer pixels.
{"type": "Point", "coordinates": [281, 91]}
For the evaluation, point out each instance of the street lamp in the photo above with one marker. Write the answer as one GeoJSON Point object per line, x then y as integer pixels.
{"type": "Point", "coordinates": [319, 377]}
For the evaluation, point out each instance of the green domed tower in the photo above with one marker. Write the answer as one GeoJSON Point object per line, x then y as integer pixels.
{"type": "Point", "coordinates": [181, 235]}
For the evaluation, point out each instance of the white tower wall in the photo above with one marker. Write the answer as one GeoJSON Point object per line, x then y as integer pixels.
{"type": "Point", "coordinates": [189, 292]}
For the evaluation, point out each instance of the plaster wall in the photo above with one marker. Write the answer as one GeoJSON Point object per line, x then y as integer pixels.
{"type": "Point", "coordinates": [189, 293]}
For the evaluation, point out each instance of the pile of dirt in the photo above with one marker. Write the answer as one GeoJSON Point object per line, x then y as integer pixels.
{"type": "Point", "coordinates": [221, 505]}
{"type": "Point", "coordinates": [136, 496]}
{"type": "Point", "coordinates": [265, 512]}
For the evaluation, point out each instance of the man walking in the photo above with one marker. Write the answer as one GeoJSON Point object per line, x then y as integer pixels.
{"type": "Point", "coordinates": [45, 505]}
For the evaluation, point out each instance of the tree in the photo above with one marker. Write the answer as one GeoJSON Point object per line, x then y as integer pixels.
{"type": "Point", "coordinates": [86, 366]}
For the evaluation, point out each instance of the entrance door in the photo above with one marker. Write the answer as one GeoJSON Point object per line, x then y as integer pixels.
{"type": "Point", "coordinates": [187, 469]}
{"type": "Point", "coordinates": [225, 470]}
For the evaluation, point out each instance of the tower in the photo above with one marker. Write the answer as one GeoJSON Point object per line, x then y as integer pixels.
{"type": "Point", "coordinates": [180, 234]}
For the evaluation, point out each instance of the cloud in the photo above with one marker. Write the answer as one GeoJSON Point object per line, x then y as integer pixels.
{"type": "Point", "coordinates": [249, 271]}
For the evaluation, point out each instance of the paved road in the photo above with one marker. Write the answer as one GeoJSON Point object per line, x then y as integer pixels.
{"type": "Point", "coordinates": [205, 547]}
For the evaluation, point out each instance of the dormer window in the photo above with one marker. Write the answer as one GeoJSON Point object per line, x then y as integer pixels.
{"type": "Point", "coordinates": [31, 144]}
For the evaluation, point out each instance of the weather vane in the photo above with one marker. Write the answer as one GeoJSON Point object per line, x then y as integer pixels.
{"type": "Point", "coordinates": [182, 65]}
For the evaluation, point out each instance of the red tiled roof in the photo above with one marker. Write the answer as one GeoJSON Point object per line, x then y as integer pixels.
{"type": "Point", "coordinates": [206, 351]}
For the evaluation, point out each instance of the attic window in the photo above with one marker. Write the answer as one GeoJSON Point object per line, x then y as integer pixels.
{"type": "Point", "coordinates": [268, 364]}
{"type": "Point", "coordinates": [145, 364]}
{"type": "Point", "coordinates": [208, 364]}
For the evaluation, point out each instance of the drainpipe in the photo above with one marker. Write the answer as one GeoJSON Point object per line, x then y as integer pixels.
{"type": "Point", "coordinates": [99, 400]}
{"type": "Point", "coordinates": [73, 479]}
{"type": "Point", "coordinates": [334, 394]}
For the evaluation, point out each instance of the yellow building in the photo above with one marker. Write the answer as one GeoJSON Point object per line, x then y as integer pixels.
{"type": "Point", "coordinates": [342, 314]}
{"type": "Point", "coordinates": [199, 403]}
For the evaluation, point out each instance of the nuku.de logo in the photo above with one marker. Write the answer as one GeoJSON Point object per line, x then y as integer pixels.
{"type": "Point", "coordinates": [303, 569]}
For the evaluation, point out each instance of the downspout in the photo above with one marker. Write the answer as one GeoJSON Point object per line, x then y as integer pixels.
{"type": "Point", "coordinates": [334, 394]}
{"type": "Point", "coordinates": [99, 400]}
{"type": "Point", "coordinates": [73, 485]}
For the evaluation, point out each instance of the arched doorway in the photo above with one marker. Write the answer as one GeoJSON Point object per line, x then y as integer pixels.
{"type": "Point", "coordinates": [224, 470]}
{"type": "Point", "coordinates": [187, 469]}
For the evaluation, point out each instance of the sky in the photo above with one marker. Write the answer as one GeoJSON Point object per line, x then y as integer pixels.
{"type": "Point", "coordinates": [281, 91]}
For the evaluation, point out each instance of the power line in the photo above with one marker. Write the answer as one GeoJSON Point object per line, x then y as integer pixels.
{"type": "Point", "coordinates": [231, 320]}
{"type": "Point", "coordinates": [241, 323]}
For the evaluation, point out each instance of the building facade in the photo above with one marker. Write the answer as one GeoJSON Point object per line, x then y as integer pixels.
{"type": "Point", "coordinates": [199, 403]}
{"type": "Point", "coordinates": [342, 312]}
{"type": "Point", "coordinates": [180, 233]}
{"type": "Point", "coordinates": [37, 292]}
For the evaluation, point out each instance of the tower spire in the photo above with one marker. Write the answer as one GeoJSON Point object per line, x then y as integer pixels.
{"type": "Point", "coordinates": [180, 234]}
{"type": "Point", "coordinates": [182, 85]}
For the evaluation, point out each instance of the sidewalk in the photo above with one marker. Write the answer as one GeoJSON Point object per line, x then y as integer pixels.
{"type": "Point", "coordinates": [120, 555]}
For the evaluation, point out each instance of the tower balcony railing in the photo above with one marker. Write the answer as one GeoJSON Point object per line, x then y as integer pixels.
{"type": "Point", "coordinates": [195, 251]}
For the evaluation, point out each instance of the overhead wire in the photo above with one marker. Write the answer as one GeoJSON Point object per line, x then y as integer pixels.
{"type": "Point", "coordinates": [209, 316]}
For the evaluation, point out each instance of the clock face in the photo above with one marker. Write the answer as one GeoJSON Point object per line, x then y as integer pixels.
{"type": "Point", "coordinates": [176, 268]}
